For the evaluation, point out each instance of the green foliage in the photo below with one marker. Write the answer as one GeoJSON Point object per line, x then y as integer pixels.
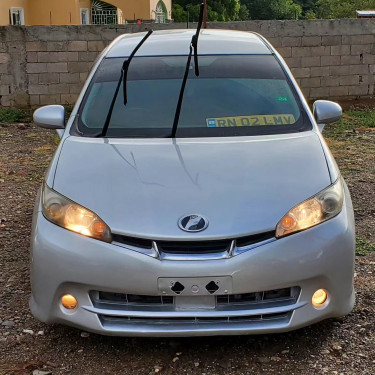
{"type": "Point", "coordinates": [342, 8]}
{"type": "Point", "coordinates": [363, 247]}
{"type": "Point", "coordinates": [274, 9]}
{"type": "Point", "coordinates": [217, 10]}
{"type": "Point", "coordinates": [243, 13]}
{"type": "Point", "coordinates": [233, 10]}
{"type": "Point", "coordinates": [310, 15]}
{"type": "Point", "coordinates": [308, 7]}
{"type": "Point", "coordinates": [178, 13]}
{"type": "Point", "coordinates": [351, 120]}
{"type": "Point", "coordinates": [13, 115]}
{"type": "Point", "coordinates": [286, 9]}
{"type": "Point", "coordinates": [365, 117]}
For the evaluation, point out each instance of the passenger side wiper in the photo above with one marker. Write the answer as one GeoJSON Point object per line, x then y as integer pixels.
{"type": "Point", "coordinates": [193, 47]}
{"type": "Point", "coordinates": [123, 79]}
{"type": "Point", "coordinates": [194, 41]}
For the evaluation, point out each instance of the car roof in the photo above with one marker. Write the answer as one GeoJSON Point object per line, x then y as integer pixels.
{"type": "Point", "coordinates": [177, 42]}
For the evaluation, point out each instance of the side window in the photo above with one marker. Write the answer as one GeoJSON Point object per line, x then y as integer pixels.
{"type": "Point", "coordinates": [17, 17]}
{"type": "Point", "coordinates": [85, 16]}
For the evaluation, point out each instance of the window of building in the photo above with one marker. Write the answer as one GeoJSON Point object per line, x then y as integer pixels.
{"type": "Point", "coordinates": [104, 13]}
{"type": "Point", "coordinates": [85, 16]}
{"type": "Point", "coordinates": [161, 13]}
{"type": "Point", "coordinates": [17, 16]}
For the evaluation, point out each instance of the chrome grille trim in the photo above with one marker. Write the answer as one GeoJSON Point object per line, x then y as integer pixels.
{"type": "Point", "coordinates": [268, 298]}
{"type": "Point", "coordinates": [155, 248]}
{"type": "Point", "coordinates": [167, 312]}
{"type": "Point", "coordinates": [234, 306]}
{"type": "Point", "coordinates": [110, 321]}
{"type": "Point", "coordinates": [118, 300]}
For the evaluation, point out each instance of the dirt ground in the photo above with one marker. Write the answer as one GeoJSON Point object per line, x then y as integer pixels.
{"type": "Point", "coordinates": [340, 346]}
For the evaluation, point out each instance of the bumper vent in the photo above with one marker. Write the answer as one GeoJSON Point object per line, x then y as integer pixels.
{"type": "Point", "coordinates": [109, 321]}
{"type": "Point", "coordinates": [260, 310]}
{"type": "Point", "coordinates": [119, 300]}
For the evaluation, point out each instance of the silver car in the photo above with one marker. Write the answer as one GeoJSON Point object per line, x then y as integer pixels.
{"type": "Point", "coordinates": [191, 196]}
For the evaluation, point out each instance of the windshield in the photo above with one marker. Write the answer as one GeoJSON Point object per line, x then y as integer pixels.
{"type": "Point", "coordinates": [234, 95]}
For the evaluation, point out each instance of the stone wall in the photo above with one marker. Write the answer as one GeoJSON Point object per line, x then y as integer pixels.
{"type": "Point", "coordinates": [48, 65]}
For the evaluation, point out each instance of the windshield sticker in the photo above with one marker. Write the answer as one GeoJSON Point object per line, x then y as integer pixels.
{"type": "Point", "coordinates": [282, 99]}
{"type": "Point", "coordinates": [258, 120]}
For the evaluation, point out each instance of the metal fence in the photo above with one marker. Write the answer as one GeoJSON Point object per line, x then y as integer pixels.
{"type": "Point", "coordinates": [106, 17]}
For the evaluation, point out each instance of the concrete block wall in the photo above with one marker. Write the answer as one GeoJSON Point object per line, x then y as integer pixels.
{"type": "Point", "coordinates": [48, 65]}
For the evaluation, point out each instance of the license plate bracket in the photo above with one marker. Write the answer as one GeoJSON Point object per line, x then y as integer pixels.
{"type": "Point", "coordinates": [195, 286]}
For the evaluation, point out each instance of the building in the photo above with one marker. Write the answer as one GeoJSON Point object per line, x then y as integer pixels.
{"type": "Point", "coordinates": [83, 12]}
{"type": "Point", "coordinates": [365, 13]}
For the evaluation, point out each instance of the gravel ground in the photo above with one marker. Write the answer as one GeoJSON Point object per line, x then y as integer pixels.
{"type": "Point", "coordinates": [341, 346]}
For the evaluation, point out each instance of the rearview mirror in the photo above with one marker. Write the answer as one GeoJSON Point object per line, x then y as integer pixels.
{"type": "Point", "coordinates": [50, 117]}
{"type": "Point", "coordinates": [326, 112]}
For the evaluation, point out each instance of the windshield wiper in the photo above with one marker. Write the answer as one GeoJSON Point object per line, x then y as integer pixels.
{"type": "Point", "coordinates": [123, 79]}
{"type": "Point", "coordinates": [193, 47]}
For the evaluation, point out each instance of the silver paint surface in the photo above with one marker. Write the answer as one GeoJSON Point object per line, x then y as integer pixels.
{"type": "Point", "coordinates": [243, 185]}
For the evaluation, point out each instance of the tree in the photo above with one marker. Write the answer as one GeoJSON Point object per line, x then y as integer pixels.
{"type": "Point", "coordinates": [243, 13]}
{"type": "Point", "coordinates": [272, 9]}
{"type": "Point", "coordinates": [233, 10]}
{"type": "Point", "coordinates": [342, 8]}
{"type": "Point", "coordinates": [217, 10]}
{"type": "Point", "coordinates": [178, 13]}
{"type": "Point", "coordinates": [286, 9]}
{"type": "Point", "coordinates": [310, 15]}
{"type": "Point", "coordinates": [307, 6]}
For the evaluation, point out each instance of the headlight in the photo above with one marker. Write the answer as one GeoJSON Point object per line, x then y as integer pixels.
{"type": "Point", "coordinates": [322, 207]}
{"type": "Point", "coordinates": [69, 215]}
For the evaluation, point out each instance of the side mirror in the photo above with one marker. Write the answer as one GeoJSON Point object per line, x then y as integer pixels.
{"type": "Point", "coordinates": [326, 112]}
{"type": "Point", "coordinates": [50, 117]}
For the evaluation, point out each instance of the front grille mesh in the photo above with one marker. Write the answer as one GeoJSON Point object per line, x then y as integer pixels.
{"type": "Point", "coordinates": [142, 310]}
{"type": "Point", "coordinates": [108, 320]}
{"type": "Point", "coordinates": [198, 247]}
{"type": "Point", "coordinates": [283, 296]}
{"type": "Point", "coordinates": [193, 247]}
{"type": "Point", "coordinates": [103, 298]}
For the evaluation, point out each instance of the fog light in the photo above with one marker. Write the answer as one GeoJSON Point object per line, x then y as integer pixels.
{"type": "Point", "coordinates": [319, 297]}
{"type": "Point", "coordinates": [69, 302]}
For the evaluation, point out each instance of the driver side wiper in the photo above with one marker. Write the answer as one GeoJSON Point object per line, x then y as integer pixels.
{"type": "Point", "coordinates": [193, 47]}
{"type": "Point", "coordinates": [123, 79]}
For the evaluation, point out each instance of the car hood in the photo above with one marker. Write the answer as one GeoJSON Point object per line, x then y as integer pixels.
{"type": "Point", "coordinates": [143, 187]}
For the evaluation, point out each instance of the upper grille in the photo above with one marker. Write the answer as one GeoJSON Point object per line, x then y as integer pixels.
{"type": "Point", "coordinates": [197, 247]}
{"type": "Point", "coordinates": [194, 247]}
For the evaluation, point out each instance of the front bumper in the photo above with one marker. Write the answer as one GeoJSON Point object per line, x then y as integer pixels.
{"type": "Point", "coordinates": [67, 263]}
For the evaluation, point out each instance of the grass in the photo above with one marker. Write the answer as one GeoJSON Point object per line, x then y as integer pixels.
{"type": "Point", "coordinates": [364, 118]}
{"type": "Point", "coordinates": [363, 247]}
{"type": "Point", "coordinates": [8, 115]}
{"type": "Point", "coordinates": [350, 122]}
{"type": "Point", "coordinates": [55, 139]}
{"type": "Point", "coordinates": [352, 142]}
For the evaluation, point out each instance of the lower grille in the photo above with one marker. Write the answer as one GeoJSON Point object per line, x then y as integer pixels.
{"type": "Point", "coordinates": [120, 311]}
{"type": "Point", "coordinates": [280, 297]}
{"type": "Point", "coordinates": [109, 321]}
{"type": "Point", "coordinates": [285, 295]}
{"type": "Point", "coordinates": [101, 299]}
